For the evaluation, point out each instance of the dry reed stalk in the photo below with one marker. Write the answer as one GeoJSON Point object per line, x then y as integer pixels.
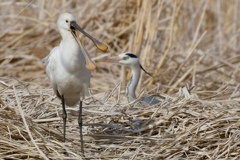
{"type": "Point", "coordinates": [190, 47]}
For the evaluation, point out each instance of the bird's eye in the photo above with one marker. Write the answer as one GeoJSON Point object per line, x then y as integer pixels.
{"type": "Point", "coordinates": [66, 21]}
{"type": "Point", "coordinates": [125, 58]}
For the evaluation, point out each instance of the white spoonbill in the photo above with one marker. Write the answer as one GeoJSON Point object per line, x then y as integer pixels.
{"type": "Point", "coordinates": [68, 67]}
{"type": "Point", "coordinates": [131, 60]}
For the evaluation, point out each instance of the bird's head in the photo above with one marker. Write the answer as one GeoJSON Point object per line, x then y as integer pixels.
{"type": "Point", "coordinates": [67, 23]}
{"type": "Point", "coordinates": [126, 59]}
{"type": "Point", "coordinates": [64, 21]}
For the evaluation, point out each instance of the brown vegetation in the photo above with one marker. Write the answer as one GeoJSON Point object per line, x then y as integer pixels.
{"type": "Point", "coordinates": [191, 47]}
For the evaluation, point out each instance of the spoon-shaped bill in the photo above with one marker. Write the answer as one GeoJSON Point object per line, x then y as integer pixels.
{"type": "Point", "coordinates": [99, 45]}
{"type": "Point", "coordinates": [88, 62]}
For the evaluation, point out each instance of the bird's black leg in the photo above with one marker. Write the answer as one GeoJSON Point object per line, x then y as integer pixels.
{"type": "Point", "coordinates": [80, 126]}
{"type": "Point", "coordinates": [64, 118]}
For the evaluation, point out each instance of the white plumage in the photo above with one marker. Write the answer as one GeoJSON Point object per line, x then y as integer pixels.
{"type": "Point", "coordinates": [66, 71]}
{"type": "Point", "coordinates": [68, 67]}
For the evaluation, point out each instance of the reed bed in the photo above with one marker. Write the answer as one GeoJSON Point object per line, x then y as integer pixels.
{"type": "Point", "coordinates": [190, 47]}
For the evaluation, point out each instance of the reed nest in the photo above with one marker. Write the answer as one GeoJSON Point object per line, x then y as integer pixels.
{"type": "Point", "coordinates": [190, 47]}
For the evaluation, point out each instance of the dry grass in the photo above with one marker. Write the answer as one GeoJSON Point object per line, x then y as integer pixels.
{"type": "Point", "coordinates": [191, 47]}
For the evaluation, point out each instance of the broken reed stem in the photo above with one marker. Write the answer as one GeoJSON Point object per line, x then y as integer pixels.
{"type": "Point", "coordinates": [193, 45]}
{"type": "Point", "coordinates": [168, 46]}
{"type": "Point", "coordinates": [182, 64]}
{"type": "Point", "coordinates": [26, 125]}
{"type": "Point", "coordinates": [165, 34]}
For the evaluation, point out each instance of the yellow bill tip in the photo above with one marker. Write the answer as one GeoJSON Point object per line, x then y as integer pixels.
{"type": "Point", "coordinates": [102, 47]}
{"type": "Point", "coordinates": [90, 67]}
{"type": "Point", "coordinates": [89, 64]}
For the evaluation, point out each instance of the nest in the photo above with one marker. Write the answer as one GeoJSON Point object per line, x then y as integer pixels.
{"type": "Point", "coordinates": [190, 47]}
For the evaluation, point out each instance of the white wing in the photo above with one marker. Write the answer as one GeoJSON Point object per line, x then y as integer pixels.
{"type": "Point", "coordinates": [50, 61]}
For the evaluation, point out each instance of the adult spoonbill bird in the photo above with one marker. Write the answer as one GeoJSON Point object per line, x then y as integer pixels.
{"type": "Point", "coordinates": [68, 67]}
{"type": "Point", "coordinates": [131, 60]}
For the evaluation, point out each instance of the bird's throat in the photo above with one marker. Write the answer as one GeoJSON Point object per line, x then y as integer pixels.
{"type": "Point", "coordinates": [132, 83]}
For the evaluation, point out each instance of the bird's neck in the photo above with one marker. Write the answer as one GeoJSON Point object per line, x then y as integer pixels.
{"type": "Point", "coordinates": [133, 82]}
{"type": "Point", "coordinates": [65, 34]}
{"type": "Point", "coordinates": [71, 55]}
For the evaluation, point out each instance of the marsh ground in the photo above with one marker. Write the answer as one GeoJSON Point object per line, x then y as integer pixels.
{"type": "Point", "coordinates": [191, 48]}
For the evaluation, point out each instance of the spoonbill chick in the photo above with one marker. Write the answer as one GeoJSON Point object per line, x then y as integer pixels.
{"type": "Point", "coordinates": [68, 67]}
{"type": "Point", "coordinates": [131, 60]}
